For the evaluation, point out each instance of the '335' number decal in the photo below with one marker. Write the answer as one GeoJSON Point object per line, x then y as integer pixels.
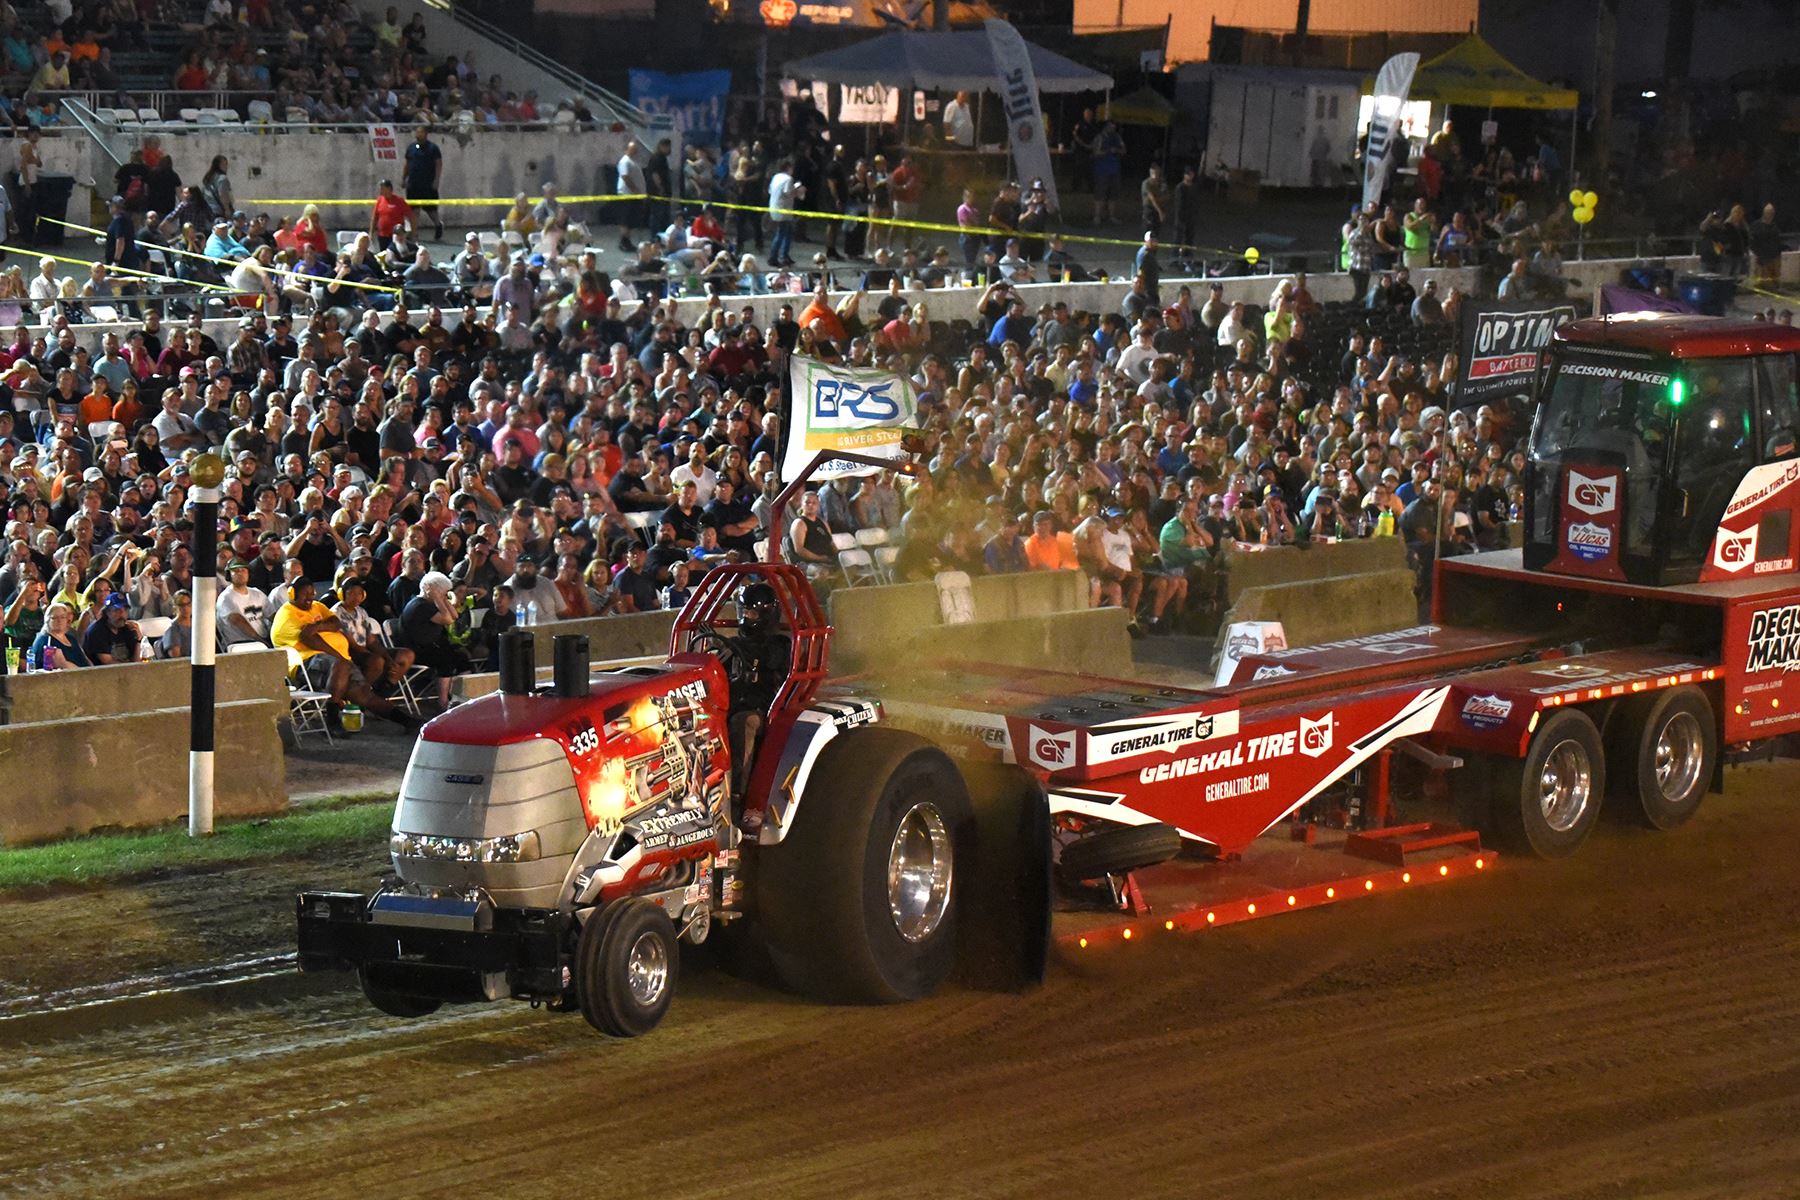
{"type": "Point", "coordinates": [582, 738]}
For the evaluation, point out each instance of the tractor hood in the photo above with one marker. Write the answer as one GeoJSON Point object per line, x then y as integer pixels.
{"type": "Point", "coordinates": [503, 792]}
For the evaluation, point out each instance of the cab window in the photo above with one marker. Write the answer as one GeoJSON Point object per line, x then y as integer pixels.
{"type": "Point", "coordinates": [1778, 405]}
{"type": "Point", "coordinates": [1715, 445]}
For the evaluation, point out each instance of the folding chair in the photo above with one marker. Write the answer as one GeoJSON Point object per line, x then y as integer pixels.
{"type": "Point", "coordinates": [843, 541]}
{"type": "Point", "coordinates": [858, 566]}
{"type": "Point", "coordinates": [306, 708]}
{"type": "Point", "coordinates": [415, 677]}
{"type": "Point", "coordinates": [872, 537]}
{"type": "Point", "coordinates": [885, 557]}
{"type": "Point", "coordinates": [956, 597]}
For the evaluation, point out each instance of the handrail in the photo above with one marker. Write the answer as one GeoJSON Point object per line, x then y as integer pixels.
{"type": "Point", "coordinates": [88, 119]}
{"type": "Point", "coordinates": [621, 108]}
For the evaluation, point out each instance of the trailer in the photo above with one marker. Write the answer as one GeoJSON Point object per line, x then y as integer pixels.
{"type": "Point", "coordinates": [555, 845]}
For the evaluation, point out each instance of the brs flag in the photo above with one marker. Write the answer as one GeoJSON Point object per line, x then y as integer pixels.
{"type": "Point", "coordinates": [846, 408]}
{"type": "Point", "coordinates": [1500, 345]}
{"type": "Point", "coordinates": [1024, 116]}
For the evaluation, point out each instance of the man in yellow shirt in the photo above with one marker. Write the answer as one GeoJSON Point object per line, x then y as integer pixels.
{"type": "Point", "coordinates": [317, 647]}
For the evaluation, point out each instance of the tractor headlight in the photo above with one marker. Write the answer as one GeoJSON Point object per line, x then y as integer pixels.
{"type": "Point", "coordinates": [510, 848]}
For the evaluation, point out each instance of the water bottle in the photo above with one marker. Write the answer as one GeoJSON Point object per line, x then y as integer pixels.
{"type": "Point", "coordinates": [531, 612]}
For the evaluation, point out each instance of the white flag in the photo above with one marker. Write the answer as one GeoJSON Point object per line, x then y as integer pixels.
{"type": "Point", "coordinates": [1391, 88]}
{"type": "Point", "coordinates": [846, 408]}
{"type": "Point", "coordinates": [1024, 118]}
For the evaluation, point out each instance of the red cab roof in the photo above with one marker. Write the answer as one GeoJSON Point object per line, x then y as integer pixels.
{"type": "Point", "coordinates": [1682, 336]}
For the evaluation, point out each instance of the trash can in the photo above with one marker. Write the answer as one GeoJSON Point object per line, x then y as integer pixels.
{"type": "Point", "coordinates": [53, 193]}
{"type": "Point", "coordinates": [1710, 294]}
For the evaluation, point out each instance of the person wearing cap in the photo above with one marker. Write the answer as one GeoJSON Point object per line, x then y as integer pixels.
{"type": "Point", "coordinates": [471, 273]}
{"type": "Point", "coordinates": [531, 588]}
{"type": "Point", "coordinates": [242, 611]}
{"type": "Point", "coordinates": [115, 638]}
{"type": "Point", "coordinates": [223, 245]}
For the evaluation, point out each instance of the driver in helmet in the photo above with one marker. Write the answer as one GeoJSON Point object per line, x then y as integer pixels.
{"type": "Point", "coordinates": [756, 662]}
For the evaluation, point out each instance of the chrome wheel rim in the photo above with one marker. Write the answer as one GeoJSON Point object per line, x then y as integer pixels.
{"type": "Point", "coordinates": [1565, 786]}
{"type": "Point", "coordinates": [647, 968]}
{"type": "Point", "coordinates": [920, 864]}
{"type": "Point", "coordinates": [1680, 749]}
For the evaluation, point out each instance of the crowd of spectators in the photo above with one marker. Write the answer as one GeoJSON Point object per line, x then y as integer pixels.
{"type": "Point", "coordinates": [324, 61]}
{"type": "Point", "coordinates": [404, 484]}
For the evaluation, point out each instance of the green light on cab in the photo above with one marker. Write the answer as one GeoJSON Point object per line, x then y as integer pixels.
{"type": "Point", "coordinates": [1677, 393]}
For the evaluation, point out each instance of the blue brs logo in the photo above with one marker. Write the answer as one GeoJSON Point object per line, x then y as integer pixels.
{"type": "Point", "coordinates": [834, 399]}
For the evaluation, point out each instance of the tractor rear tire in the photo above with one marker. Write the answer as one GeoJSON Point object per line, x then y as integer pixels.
{"type": "Point", "coordinates": [858, 903]}
{"type": "Point", "coordinates": [1548, 803]}
{"type": "Point", "coordinates": [1663, 756]}
{"type": "Point", "coordinates": [395, 1004]}
{"type": "Point", "coordinates": [626, 963]}
{"type": "Point", "coordinates": [1118, 850]}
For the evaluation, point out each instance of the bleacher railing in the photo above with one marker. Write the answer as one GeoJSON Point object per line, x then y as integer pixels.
{"type": "Point", "coordinates": [209, 109]}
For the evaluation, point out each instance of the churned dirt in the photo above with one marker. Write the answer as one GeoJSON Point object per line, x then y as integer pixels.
{"type": "Point", "coordinates": [1625, 1024]}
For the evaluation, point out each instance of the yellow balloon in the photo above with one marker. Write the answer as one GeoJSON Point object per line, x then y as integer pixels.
{"type": "Point", "coordinates": [1583, 215]}
{"type": "Point", "coordinates": [1252, 255]}
{"type": "Point", "coordinates": [1589, 200]}
{"type": "Point", "coordinates": [1576, 197]}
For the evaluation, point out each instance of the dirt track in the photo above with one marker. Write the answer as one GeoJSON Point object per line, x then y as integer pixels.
{"type": "Point", "coordinates": [1626, 1024]}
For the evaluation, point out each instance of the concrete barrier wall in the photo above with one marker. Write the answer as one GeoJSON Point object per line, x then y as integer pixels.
{"type": "Point", "coordinates": [103, 692]}
{"type": "Point", "coordinates": [875, 626]}
{"type": "Point", "coordinates": [1333, 607]}
{"type": "Point", "coordinates": [129, 770]}
{"type": "Point", "coordinates": [1246, 569]}
{"type": "Point", "coordinates": [1088, 641]}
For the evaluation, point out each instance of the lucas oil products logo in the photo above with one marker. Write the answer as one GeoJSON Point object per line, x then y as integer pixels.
{"type": "Point", "coordinates": [1486, 712]}
{"type": "Point", "coordinates": [1593, 496]}
{"type": "Point", "coordinates": [1315, 736]}
{"type": "Point", "coordinates": [1734, 549]}
{"type": "Point", "coordinates": [1590, 541]}
{"type": "Point", "coordinates": [1774, 640]}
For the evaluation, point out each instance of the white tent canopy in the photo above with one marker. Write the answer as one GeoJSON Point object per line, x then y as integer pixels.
{"type": "Point", "coordinates": [942, 62]}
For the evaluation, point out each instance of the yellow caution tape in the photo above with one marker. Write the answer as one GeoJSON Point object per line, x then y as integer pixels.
{"type": "Point", "coordinates": [803, 213]}
{"type": "Point", "coordinates": [130, 271]}
{"type": "Point", "coordinates": [373, 287]}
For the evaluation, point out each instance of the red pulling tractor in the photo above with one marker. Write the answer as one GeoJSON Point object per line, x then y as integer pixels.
{"type": "Point", "coordinates": [555, 844]}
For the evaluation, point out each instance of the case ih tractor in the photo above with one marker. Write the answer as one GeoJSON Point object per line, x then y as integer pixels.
{"type": "Point", "coordinates": [555, 844]}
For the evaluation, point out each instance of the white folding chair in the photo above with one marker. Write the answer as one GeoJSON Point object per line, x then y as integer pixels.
{"type": "Point", "coordinates": [872, 537]}
{"type": "Point", "coordinates": [843, 541]}
{"type": "Point", "coordinates": [190, 115]}
{"type": "Point", "coordinates": [885, 557]}
{"type": "Point", "coordinates": [245, 647]}
{"type": "Point", "coordinates": [761, 549]}
{"type": "Point", "coordinates": [149, 116]}
{"type": "Point", "coordinates": [346, 238]}
{"type": "Point", "coordinates": [306, 708]}
{"type": "Point", "coordinates": [858, 566]}
{"type": "Point", "coordinates": [490, 242]}
{"type": "Point", "coordinates": [298, 116]}
{"type": "Point", "coordinates": [154, 627]}
{"type": "Point", "coordinates": [405, 691]}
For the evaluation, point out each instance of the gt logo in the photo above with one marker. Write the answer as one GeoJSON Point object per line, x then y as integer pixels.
{"type": "Point", "coordinates": [1733, 550]}
{"type": "Point", "coordinates": [582, 739]}
{"type": "Point", "coordinates": [1593, 496]}
{"type": "Point", "coordinates": [1315, 736]}
{"type": "Point", "coordinates": [1052, 751]}
{"type": "Point", "coordinates": [834, 396]}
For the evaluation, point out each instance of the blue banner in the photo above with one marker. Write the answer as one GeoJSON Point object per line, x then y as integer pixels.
{"type": "Point", "coordinates": [695, 99]}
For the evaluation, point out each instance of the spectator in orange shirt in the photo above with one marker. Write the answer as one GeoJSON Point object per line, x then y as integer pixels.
{"type": "Point", "coordinates": [391, 212]}
{"type": "Point", "coordinates": [822, 319]}
{"type": "Point", "coordinates": [1048, 550]}
{"type": "Point", "coordinates": [97, 405]}
{"type": "Point", "coordinates": [126, 410]}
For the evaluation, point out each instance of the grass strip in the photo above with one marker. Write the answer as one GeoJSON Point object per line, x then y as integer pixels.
{"type": "Point", "coordinates": [348, 821]}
